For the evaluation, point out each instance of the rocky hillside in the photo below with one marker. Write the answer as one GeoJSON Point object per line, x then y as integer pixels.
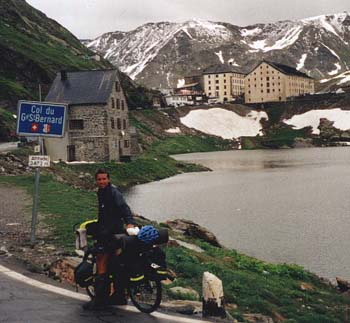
{"type": "Point", "coordinates": [33, 49]}
{"type": "Point", "coordinates": [159, 54]}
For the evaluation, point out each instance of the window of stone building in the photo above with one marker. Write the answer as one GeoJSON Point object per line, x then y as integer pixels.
{"type": "Point", "coordinates": [225, 93]}
{"type": "Point", "coordinates": [249, 92]}
{"type": "Point", "coordinates": [267, 78]}
{"type": "Point", "coordinates": [216, 93]}
{"type": "Point", "coordinates": [126, 143]}
{"type": "Point", "coordinates": [76, 124]}
{"type": "Point", "coordinates": [122, 104]}
{"type": "Point", "coordinates": [224, 75]}
{"type": "Point", "coordinates": [113, 103]}
{"type": "Point", "coordinates": [224, 80]}
{"type": "Point", "coordinates": [217, 81]}
{"type": "Point", "coordinates": [225, 87]}
{"type": "Point", "coordinates": [209, 82]}
{"type": "Point", "coordinates": [262, 91]}
{"type": "Point", "coordinates": [216, 75]}
{"type": "Point", "coordinates": [209, 93]}
{"type": "Point", "coordinates": [118, 104]}
{"type": "Point", "coordinates": [112, 123]}
{"type": "Point", "coordinates": [124, 124]}
{"type": "Point", "coordinates": [119, 125]}
{"type": "Point", "coordinates": [117, 86]}
{"type": "Point", "coordinates": [209, 88]}
{"type": "Point", "coordinates": [217, 88]}
{"type": "Point", "coordinates": [268, 91]}
{"type": "Point", "coordinates": [268, 84]}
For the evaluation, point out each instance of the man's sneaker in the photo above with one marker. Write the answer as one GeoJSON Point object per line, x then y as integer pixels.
{"type": "Point", "coordinates": [116, 299]}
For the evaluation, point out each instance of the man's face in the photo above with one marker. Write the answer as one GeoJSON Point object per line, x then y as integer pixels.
{"type": "Point", "coordinates": [102, 180]}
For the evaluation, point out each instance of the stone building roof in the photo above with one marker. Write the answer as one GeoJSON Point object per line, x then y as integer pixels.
{"type": "Point", "coordinates": [221, 68]}
{"type": "Point", "coordinates": [84, 87]}
{"type": "Point", "coordinates": [285, 69]}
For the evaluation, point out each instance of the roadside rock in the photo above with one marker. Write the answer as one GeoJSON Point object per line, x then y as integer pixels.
{"type": "Point", "coordinates": [194, 230]}
{"type": "Point", "coordinates": [343, 285]}
{"type": "Point", "coordinates": [63, 269]}
{"type": "Point", "coordinates": [182, 292]}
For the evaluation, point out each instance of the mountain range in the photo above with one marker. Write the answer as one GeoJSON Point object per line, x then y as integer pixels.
{"type": "Point", "coordinates": [160, 54]}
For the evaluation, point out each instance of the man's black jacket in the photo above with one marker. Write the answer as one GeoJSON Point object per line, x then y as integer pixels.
{"type": "Point", "coordinates": [113, 212]}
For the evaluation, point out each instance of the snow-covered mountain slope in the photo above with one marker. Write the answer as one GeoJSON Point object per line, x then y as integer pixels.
{"type": "Point", "coordinates": [158, 54]}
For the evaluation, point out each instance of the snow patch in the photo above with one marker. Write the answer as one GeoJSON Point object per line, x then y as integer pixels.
{"type": "Point", "coordinates": [224, 123]}
{"type": "Point", "coordinates": [232, 62]}
{"type": "Point", "coordinates": [186, 31]}
{"type": "Point", "coordinates": [337, 69]}
{"type": "Point", "coordinates": [344, 80]}
{"type": "Point", "coordinates": [341, 119]}
{"type": "Point", "coordinates": [250, 32]}
{"type": "Point", "coordinates": [180, 83]}
{"type": "Point", "coordinates": [332, 51]}
{"type": "Point", "coordinates": [219, 54]}
{"type": "Point", "coordinates": [301, 62]}
{"type": "Point", "coordinates": [289, 39]}
{"type": "Point", "coordinates": [173, 130]}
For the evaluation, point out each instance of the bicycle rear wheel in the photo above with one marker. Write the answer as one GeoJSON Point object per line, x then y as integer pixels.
{"type": "Point", "coordinates": [146, 295]}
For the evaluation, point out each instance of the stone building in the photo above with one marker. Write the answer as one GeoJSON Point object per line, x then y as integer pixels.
{"type": "Point", "coordinates": [269, 82]}
{"type": "Point", "coordinates": [223, 82]}
{"type": "Point", "coordinates": [97, 123]}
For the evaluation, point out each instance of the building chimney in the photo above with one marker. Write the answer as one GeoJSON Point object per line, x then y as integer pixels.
{"type": "Point", "coordinates": [63, 75]}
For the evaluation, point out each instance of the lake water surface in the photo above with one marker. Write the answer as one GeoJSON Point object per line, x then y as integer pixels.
{"type": "Point", "coordinates": [277, 205]}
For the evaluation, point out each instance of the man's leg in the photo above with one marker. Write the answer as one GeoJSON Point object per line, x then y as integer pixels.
{"type": "Point", "coordinates": [101, 286]}
{"type": "Point", "coordinates": [120, 282]}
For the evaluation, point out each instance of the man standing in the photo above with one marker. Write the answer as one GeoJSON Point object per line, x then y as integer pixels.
{"type": "Point", "coordinates": [113, 215]}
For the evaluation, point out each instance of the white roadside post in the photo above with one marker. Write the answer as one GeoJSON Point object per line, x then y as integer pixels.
{"type": "Point", "coordinates": [213, 296]}
{"type": "Point", "coordinates": [40, 119]}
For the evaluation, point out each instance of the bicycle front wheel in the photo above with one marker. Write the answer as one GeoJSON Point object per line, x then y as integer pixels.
{"type": "Point", "coordinates": [146, 295]}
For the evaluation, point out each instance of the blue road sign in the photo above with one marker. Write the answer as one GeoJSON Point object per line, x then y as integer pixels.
{"type": "Point", "coordinates": [41, 119]}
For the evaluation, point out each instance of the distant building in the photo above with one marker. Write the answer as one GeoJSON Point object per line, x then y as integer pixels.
{"type": "Point", "coordinates": [223, 82]}
{"type": "Point", "coordinates": [178, 100]}
{"type": "Point", "coordinates": [269, 82]}
{"type": "Point", "coordinates": [97, 126]}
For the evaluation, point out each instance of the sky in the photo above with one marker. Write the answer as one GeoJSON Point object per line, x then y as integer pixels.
{"type": "Point", "coordinates": [88, 19]}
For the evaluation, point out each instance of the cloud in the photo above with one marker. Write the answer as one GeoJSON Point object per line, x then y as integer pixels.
{"type": "Point", "coordinates": [91, 18]}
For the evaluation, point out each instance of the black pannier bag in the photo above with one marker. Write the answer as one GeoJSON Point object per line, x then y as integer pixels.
{"type": "Point", "coordinates": [155, 261]}
{"type": "Point", "coordinates": [83, 273]}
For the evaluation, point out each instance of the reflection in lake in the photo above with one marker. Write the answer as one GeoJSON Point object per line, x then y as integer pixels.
{"type": "Point", "coordinates": [277, 205]}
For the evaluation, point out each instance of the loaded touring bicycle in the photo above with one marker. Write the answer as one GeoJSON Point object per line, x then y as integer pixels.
{"type": "Point", "coordinates": [141, 263]}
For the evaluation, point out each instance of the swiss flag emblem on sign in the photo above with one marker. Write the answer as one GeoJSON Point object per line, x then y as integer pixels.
{"type": "Point", "coordinates": [34, 127]}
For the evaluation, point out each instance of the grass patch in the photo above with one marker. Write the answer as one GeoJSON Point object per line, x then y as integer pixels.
{"type": "Point", "coordinates": [259, 287]}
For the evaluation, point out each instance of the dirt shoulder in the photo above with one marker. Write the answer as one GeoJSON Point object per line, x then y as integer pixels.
{"type": "Point", "coordinates": [15, 227]}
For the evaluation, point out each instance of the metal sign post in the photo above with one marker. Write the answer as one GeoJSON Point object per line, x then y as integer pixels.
{"type": "Point", "coordinates": [40, 119]}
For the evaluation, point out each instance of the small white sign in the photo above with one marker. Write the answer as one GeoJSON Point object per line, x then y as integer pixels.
{"type": "Point", "coordinates": [39, 161]}
{"type": "Point", "coordinates": [37, 149]}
